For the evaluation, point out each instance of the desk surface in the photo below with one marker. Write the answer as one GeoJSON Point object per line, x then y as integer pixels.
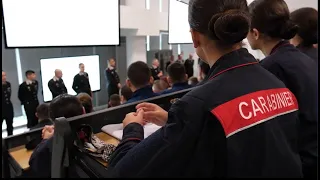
{"type": "Point", "coordinates": [22, 155]}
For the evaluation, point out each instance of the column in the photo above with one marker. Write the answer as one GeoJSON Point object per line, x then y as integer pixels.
{"type": "Point", "coordinates": [136, 49]}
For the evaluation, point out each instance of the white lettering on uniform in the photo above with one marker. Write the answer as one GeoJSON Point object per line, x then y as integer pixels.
{"type": "Point", "coordinates": [263, 103]}
{"type": "Point", "coordinates": [274, 103]}
{"type": "Point", "coordinates": [269, 102]}
{"type": "Point", "coordinates": [241, 112]}
{"type": "Point", "coordinates": [255, 108]}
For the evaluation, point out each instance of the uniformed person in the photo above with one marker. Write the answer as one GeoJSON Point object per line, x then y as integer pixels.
{"type": "Point", "coordinates": [155, 70]}
{"type": "Point", "coordinates": [113, 80]}
{"type": "Point", "coordinates": [231, 126]}
{"type": "Point", "coordinates": [28, 95]}
{"type": "Point", "coordinates": [188, 64]}
{"type": "Point", "coordinates": [81, 82]}
{"type": "Point", "coordinates": [271, 27]}
{"type": "Point", "coordinates": [7, 108]}
{"type": "Point", "coordinates": [307, 20]}
{"type": "Point", "coordinates": [177, 78]}
{"type": "Point", "coordinates": [56, 84]}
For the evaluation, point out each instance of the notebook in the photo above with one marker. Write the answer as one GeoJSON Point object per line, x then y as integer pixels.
{"type": "Point", "coordinates": [116, 130]}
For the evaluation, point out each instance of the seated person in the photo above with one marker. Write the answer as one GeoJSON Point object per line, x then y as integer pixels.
{"type": "Point", "coordinates": [86, 102]}
{"type": "Point", "coordinates": [62, 106]}
{"type": "Point", "coordinates": [139, 77]}
{"type": "Point", "coordinates": [193, 81]}
{"type": "Point", "coordinates": [177, 78]}
{"type": "Point", "coordinates": [114, 100]}
{"type": "Point", "coordinates": [159, 86]}
{"type": "Point", "coordinates": [42, 113]}
{"type": "Point", "coordinates": [125, 94]}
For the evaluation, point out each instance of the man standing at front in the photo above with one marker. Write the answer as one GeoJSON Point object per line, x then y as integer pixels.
{"type": "Point", "coordinates": [188, 65]}
{"type": "Point", "coordinates": [81, 82]}
{"type": "Point", "coordinates": [155, 70]}
{"type": "Point", "coordinates": [7, 108]}
{"type": "Point", "coordinates": [28, 95]}
{"type": "Point", "coordinates": [113, 80]}
{"type": "Point", "coordinates": [56, 84]}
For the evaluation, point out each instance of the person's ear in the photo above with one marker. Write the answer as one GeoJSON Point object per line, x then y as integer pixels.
{"type": "Point", "coordinates": [122, 99]}
{"type": "Point", "coordinates": [195, 38]}
{"type": "Point", "coordinates": [186, 77]}
{"type": "Point", "coordinates": [83, 110]}
{"type": "Point", "coordinates": [128, 83]}
{"type": "Point", "coordinates": [169, 80]}
{"type": "Point", "coordinates": [151, 80]}
{"type": "Point", "coordinates": [255, 33]}
{"type": "Point", "coordinates": [37, 115]}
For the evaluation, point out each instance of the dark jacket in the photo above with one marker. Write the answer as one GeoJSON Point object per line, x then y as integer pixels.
{"type": "Point", "coordinates": [81, 84]}
{"type": "Point", "coordinates": [57, 87]}
{"type": "Point", "coordinates": [309, 51]}
{"type": "Point", "coordinates": [7, 108]}
{"type": "Point", "coordinates": [141, 94]}
{"type": "Point", "coordinates": [300, 74]}
{"type": "Point", "coordinates": [231, 126]}
{"type": "Point", "coordinates": [155, 72]}
{"type": "Point", "coordinates": [176, 87]}
{"type": "Point", "coordinates": [28, 93]}
{"type": "Point", "coordinates": [112, 81]}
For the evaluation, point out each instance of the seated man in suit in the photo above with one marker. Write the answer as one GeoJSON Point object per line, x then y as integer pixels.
{"type": "Point", "coordinates": [139, 77]}
{"type": "Point", "coordinates": [177, 78]}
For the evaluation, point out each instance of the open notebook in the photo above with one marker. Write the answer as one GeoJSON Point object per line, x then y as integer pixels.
{"type": "Point", "coordinates": [116, 130]}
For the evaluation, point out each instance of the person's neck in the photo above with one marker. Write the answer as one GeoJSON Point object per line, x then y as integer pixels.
{"type": "Point", "coordinates": [134, 89]}
{"type": "Point", "coordinates": [4, 82]}
{"type": "Point", "coordinates": [268, 46]}
{"type": "Point", "coordinates": [212, 58]}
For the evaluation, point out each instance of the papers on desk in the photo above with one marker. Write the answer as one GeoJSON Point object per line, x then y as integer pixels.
{"type": "Point", "coordinates": [116, 130]}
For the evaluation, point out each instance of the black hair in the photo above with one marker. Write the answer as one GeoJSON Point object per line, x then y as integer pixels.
{"type": "Point", "coordinates": [43, 111]}
{"type": "Point", "coordinates": [114, 100]}
{"type": "Point", "coordinates": [65, 105]}
{"type": "Point", "coordinates": [177, 72]}
{"type": "Point", "coordinates": [29, 72]}
{"type": "Point", "coordinates": [205, 68]}
{"type": "Point", "coordinates": [139, 74]}
{"type": "Point", "coordinates": [272, 18]}
{"type": "Point", "coordinates": [126, 92]}
{"type": "Point", "coordinates": [307, 20]}
{"type": "Point", "coordinates": [86, 101]}
{"type": "Point", "coordinates": [225, 21]}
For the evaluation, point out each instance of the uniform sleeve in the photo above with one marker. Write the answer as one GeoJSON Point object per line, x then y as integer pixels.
{"type": "Point", "coordinates": [65, 88]}
{"type": "Point", "coordinates": [20, 93]}
{"type": "Point", "coordinates": [37, 86]}
{"type": "Point", "coordinates": [75, 85]}
{"type": "Point", "coordinates": [51, 87]}
{"type": "Point", "coordinates": [135, 157]}
{"type": "Point", "coordinates": [88, 81]}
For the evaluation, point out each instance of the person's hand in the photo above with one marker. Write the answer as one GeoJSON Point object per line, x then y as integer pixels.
{"type": "Point", "coordinates": [160, 74]}
{"type": "Point", "coordinates": [135, 117]}
{"type": "Point", "coordinates": [153, 113]}
{"type": "Point", "coordinates": [47, 132]}
{"type": "Point", "coordinates": [119, 85]}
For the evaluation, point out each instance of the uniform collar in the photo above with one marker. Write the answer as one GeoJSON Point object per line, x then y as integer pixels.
{"type": "Point", "coordinates": [82, 73]}
{"type": "Point", "coordinates": [145, 91]}
{"type": "Point", "coordinates": [280, 45]}
{"type": "Point", "coordinates": [55, 78]}
{"type": "Point", "coordinates": [232, 60]}
{"type": "Point", "coordinates": [111, 68]}
{"type": "Point", "coordinates": [154, 67]}
{"type": "Point", "coordinates": [28, 82]}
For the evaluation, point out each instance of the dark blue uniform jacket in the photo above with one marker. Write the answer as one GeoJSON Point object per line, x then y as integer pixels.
{"type": "Point", "coordinates": [141, 94]}
{"type": "Point", "coordinates": [176, 87]}
{"type": "Point", "coordinates": [240, 123]}
{"type": "Point", "coordinates": [300, 74]}
{"type": "Point", "coordinates": [309, 51]}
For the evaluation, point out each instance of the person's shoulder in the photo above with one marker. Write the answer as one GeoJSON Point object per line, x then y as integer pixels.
{"type": "Point", "coordinates": [8, 83]}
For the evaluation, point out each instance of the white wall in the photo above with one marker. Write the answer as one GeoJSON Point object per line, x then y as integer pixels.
{"type": "Point", "coordinates": [136, 49]}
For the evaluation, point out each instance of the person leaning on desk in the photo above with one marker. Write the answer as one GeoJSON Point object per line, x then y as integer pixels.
{"type": "Point", "coordinates": [218, 129]}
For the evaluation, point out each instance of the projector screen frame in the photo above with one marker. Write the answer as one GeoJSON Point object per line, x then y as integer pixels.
{"type": "Point", "coordinates": [25, 47]}
{"type": "Point", "coordinates": [93, 91]}
{"type": "Point", "coordinates": [169, 25]}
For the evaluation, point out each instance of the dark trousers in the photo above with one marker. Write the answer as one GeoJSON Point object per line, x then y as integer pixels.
{"type": "Point", "coordinates": [112, 90]}
{"type": "Point", "coordinates": [7, 115]}
{"type": "Point", "coordinates": [30, 109]}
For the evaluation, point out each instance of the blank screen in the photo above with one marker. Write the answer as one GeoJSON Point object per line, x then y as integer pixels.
{"type": "Point", "coordinates": [179, 29]}
{"type": "Point", "coordinates": [70, 68]}
{"type": "Point", "coordinates": [47, 23]}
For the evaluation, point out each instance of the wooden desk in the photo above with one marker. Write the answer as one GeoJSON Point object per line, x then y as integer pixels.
{"type": "Point", "coordinates": [22, 155]}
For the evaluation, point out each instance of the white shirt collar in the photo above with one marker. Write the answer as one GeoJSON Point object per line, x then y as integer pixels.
{"type": "Point", "coordinates": [28, 82]}
{"type": "Point", "coordinates": [82, 73]}
{"type": "Point", "coordinates": [154, 67]}
{"type": "Point", "coordinates": [111, 68]}
{"type": "Point", "coordinates": [55, 78]}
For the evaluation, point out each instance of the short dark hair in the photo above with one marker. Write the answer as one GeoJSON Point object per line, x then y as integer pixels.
{"type": "Point", "coordinates": [307, 20]}
{"type": "Point", "coordinates": [224, 21]}
{"type": "Point", "coordinates": [177, 72]}
{"type": "Point", "coordinates": [272, 18]}
{"type": "Point", "coordinates": [86, 101]}
{"type": "Point", "coordinates": [204, 67]}
{"type": "Point", "coordinates": [114, 100]}
{"type": "Point", "coordinates": [194, 81]}
{"type": "Point", "coordinates": [139, 74]}
{"type": "Point", "coordinates": [65, 105]}
{"type": "Point", "coordinates": [126, 92]}
{"type": "Point", "coordinates": [43, 111]}
{"type": "Point", "coordinates": [29, 72]}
